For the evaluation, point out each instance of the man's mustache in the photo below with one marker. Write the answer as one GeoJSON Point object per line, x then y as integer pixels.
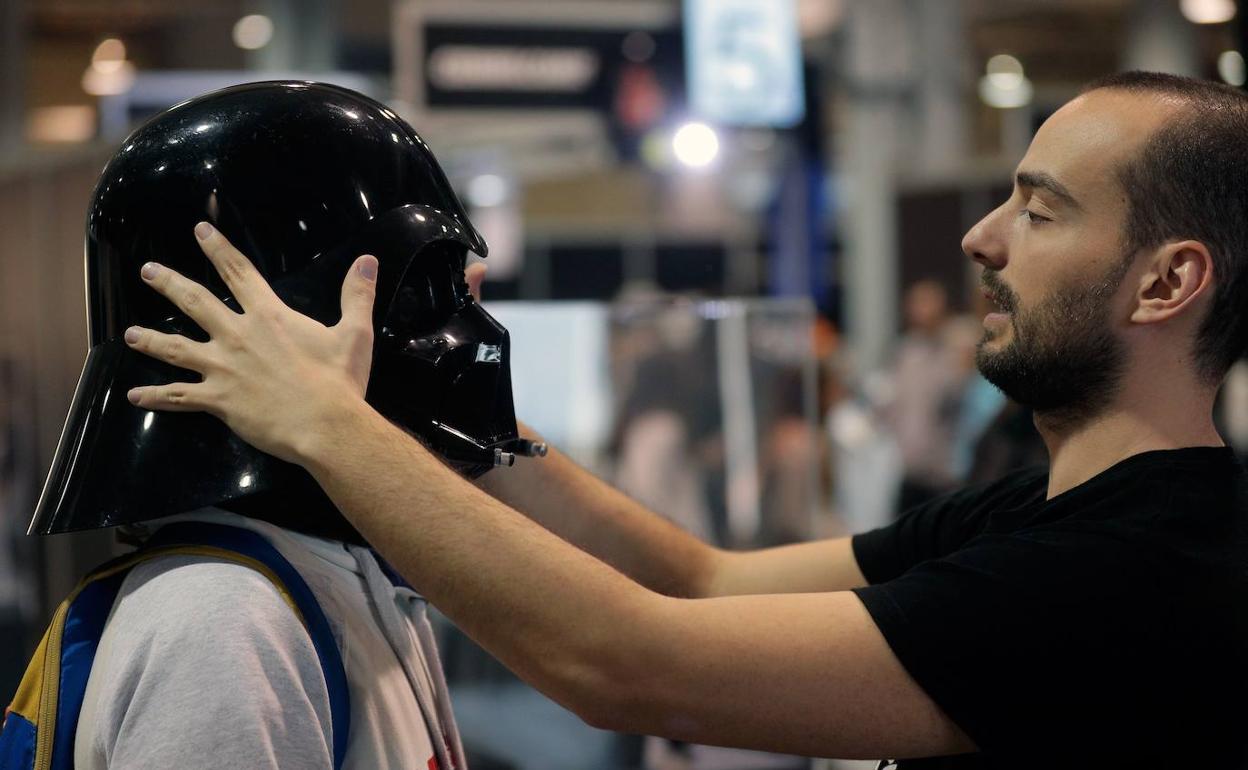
{"type": "Point", "coordinates": [998, 292]}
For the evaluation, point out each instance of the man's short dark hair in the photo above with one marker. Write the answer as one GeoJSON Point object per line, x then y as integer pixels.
{"type": "Point", "coordinates": [1190, 180]}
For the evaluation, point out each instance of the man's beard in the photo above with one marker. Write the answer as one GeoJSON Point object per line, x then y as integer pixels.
{"type": "Point", "coordinates": [1064, 360]}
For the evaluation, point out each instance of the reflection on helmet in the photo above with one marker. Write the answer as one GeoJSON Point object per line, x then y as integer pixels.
{"type": "Point", "coordinates": [302, 178]}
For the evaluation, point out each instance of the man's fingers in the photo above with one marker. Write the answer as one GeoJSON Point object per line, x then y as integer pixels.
{"type": "Point", "coordinates": [175, 397]}
{"type": "Point", "coordinates": [171, 348]}
{"type": "Point", "coordinates": [244, 281]}
{"type": "Point", "coordinates": [201, 305]}
{"type": "Point", "coordinates": [474, 274]}
{"type": "Point", "coordinates": [359, 289]}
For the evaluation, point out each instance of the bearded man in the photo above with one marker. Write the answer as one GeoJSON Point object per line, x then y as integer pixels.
{"type": "Point", "coordinates": [1091, 614]}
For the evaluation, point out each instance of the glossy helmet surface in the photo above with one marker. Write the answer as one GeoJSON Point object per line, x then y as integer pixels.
{"type": "Point", "coordinates": [302, 178]}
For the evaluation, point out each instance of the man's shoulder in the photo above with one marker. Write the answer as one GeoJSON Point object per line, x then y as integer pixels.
{"type": "Point", "coordinates": [1020, 482]}
{"type": "Point", "coordinates": [1016, 488]}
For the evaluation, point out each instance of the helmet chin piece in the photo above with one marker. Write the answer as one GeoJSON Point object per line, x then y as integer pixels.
{"type": "Point", "coordinates": [302, 178]}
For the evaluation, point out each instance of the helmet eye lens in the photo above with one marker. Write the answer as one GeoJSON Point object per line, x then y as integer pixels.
{"type": "Point", "coordinates": [431, 291]}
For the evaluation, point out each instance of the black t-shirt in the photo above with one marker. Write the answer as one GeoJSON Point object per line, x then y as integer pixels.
{"type": "Point", "coordinates": [1105, 628]}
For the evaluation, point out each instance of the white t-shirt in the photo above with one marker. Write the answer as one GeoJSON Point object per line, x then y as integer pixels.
{"type": "Point", "coordinates": [202, 664]}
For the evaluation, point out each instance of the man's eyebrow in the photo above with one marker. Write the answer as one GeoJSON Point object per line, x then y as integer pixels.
{"type": "Point", "coordinates": [1046, 182]}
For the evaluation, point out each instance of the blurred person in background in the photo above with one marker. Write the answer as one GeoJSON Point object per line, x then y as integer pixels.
{"type": "Point", "coordinates": [789, 447]}
{"type": "Point", "coordinates": [1091, 615]}
{"type": "Point", "coordinates": [1008, 443]}
{"type": "Point", "coordinates": [668, 423]}
{"type": "Point", "coordinates": [865, 460]}
{"type": "Point", "coordinates": [979, 402]}
{"type": "Point", "coordinates": [928, 380]}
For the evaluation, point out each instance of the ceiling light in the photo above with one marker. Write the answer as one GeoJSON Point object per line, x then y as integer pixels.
{"type": "Point", "coordinates": [1231, 67]}
{"type": "Point", "coordinates": [1005, 98]}
{"type": "Point", "coordinates": [1208, 11]}
{"type": "Point", "coordinates": [109, 73]}
{"type": "Point", "coordinates": [253, 32]}
{"type": "Point", "coordinates": [1005, 71]}
{"type": "Point", "coordinates": [1005, 84]}
{"type": "Point", "coordinates": [695, 144]}
{"type": "Point", "coordinates": [110, 81]}
{"type": "Point", "coordinates": [109, 55]}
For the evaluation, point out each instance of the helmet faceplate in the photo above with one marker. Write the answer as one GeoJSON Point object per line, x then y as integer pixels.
{"type": "Point", "coordinates": [302, 178]}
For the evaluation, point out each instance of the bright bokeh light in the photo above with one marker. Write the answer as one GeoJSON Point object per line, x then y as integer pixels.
{"type": "Point", "coordinates": [1005, 84]}
{"type": "Point", "coordinates": [487, 190]}
{"type": "Point", "coordinates": [1005, 98]}
{"type": "Point", "coordinates": [1208, 11]}
{"type": "Point", "coordinates": [109, 73]}
{"type": "Point", "coordinates": [98, 82]}
{"type": "Point", "coordinates": [1005, 71]}
{"type": "Point", "coordinates": [252, 32]}
{"type": "Point", "coordinates": [695, 145]}
{"type": "Point", "coordinates": [109, 55]}
{"type": "Point", "coordinates": [1231, 67]}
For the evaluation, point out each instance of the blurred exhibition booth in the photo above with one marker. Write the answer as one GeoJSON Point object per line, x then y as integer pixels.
{"type": "Point", "coordinates": [724, 235]}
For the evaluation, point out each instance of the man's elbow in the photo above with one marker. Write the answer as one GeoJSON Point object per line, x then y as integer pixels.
{"type": "Point", "coordinates": [612, 694]}
{"type": "Point", "coordinates": [618, 684]}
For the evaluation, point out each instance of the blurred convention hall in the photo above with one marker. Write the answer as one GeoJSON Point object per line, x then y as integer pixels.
{"type": "Point", "coordinates": [725, 237]}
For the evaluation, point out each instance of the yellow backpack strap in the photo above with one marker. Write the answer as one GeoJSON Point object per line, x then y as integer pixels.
{"type": "Point", "coordinates": [31, 727]}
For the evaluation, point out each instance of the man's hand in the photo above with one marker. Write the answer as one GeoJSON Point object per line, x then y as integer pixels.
{"type": "Point", "coordinates": [474, 274]}
{"type": "Point", "coordinates": [273, 375]}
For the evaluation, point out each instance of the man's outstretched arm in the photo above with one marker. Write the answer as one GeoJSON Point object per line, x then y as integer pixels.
{"type": "Point", "coordinates": [605, 522]}
{"type": "Point", "coordinates": [802, 673]}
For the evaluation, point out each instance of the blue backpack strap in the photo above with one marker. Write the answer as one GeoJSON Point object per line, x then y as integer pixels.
{"type": "Point", "coordinates": [204, 537]}
{"type": "Point", "coordinates": [84, 624]}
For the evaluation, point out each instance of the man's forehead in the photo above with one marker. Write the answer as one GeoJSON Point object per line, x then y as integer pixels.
{"type": "Point", "coordinates": [1081, 144]}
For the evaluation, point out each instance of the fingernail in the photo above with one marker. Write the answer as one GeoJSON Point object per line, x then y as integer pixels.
{"type": "Point", "coordinates": [132, 395]}
{"type": "Point", "coordinates": [132, 335]}
{"type": "Point", "coordinates": [150, 270]}
{"type": "Point", "coordinates": [368, 268]}
{"type": "Point", "coordinates": [203, 230]}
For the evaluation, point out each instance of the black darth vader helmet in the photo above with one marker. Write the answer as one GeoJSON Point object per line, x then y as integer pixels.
{"type": "Point", "coordinates": [302, 178]}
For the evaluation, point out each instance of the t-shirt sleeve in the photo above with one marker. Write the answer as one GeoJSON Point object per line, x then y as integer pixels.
{"type": "Point", "coordinates": [203, 664]}
{"type": "Point", "coordinates": [936, 528]}
{"type": "Point", "coordinates": [1041, 639]}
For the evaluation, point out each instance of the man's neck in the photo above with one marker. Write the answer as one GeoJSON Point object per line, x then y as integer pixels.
{"type": "Point", "coordinates": [1079, 452]}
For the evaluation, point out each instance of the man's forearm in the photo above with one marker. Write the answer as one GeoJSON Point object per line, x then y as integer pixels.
{"type": "Point", "coordinates": [517, 589]}
{"type": "Point", "coordinates": [589, 513]}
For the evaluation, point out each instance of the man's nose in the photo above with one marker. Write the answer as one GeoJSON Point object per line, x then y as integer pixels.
{"type": "Point", "coordinates": [986, 241]}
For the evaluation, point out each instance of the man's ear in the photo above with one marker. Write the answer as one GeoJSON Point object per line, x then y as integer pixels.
{"type": "Point", "coordinates": [1176, 277]}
